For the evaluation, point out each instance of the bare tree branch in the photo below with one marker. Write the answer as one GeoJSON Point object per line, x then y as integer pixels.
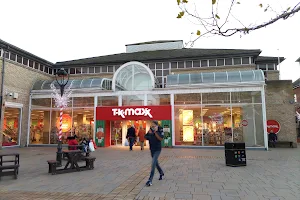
{"type": "Point", "coordinates": [213, 25]}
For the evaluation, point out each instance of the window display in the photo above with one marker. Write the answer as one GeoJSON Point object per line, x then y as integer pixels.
{"type": "Point", "coordinates": [10, 132]}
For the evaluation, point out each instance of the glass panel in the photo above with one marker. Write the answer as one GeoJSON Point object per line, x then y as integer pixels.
{"type": "Point", "coordinates": [11, 127]}
{"type": "Point", "coordinates": [84, 70]}
{"type": "Point", "coordinates": [203, 63]}
{"type": "Point", "coordinates": [216, 98]}
{"type": "Point", "coordinates": [158, 72]}
{"type": "Point", "coordinates": [31, 63]}
{"type": "Point", "coordinates": [247, 76]}
{"type": "Point", "coordinates": [245, 60]}
{"type": "Point", "coordinates": [237, 61]}
{"type": "Point", "coordinates": [165, 72]}
{"type": "Point", "coordinates": [55, 125]}
{"type": "Point", "coordinates": [259, 76]}
{"type": "Point", "coordinates": [191, 98]}
{"type": "Point", "coordinates": [96, 82]}
{"type": "Point", "coordinates": [39, 127]}
{"type": "Point", "coordinates": [25, 61]}
{"type": "Point", "coordinates": [72, 70]}
{"type": "Point", "coordinates": [76, 84]}
{"type": "Point", "coordinates": [110, 68]}
{"type": "Point", "coordinates": [78, 70]}
{"type": "Point", "coordinates": [252, 131]}
{"type": "Point", "coordinates": [246, 97]}
{"type": "Point", "coordinates": [184, 79]}
{"type": "Point", "coordinates": [13, 56]}
{"type": "Point", "coordinates": [86, 83]}
{"type": "Point", "coordinates": [50, 70]}
{"type": "Point", "coordinates": [46, 69]}
{"type": "Point", "coordinates": [97, 70]}
{"type": "Point", "coordinates": [158, 99]}
{"type": "Point", "coordinates": [262, 66]}
{"type": "Point", "coordinates": [234, 76]}
{"type": "Point", "coordinates": [180, 65]}
{"type": "Point", "coordinates": [212, 63]}
{"type": "Point", "coordinates": [228, 61]}
{"type": "Point", "coordinates": [37, 85]}
{"type": "Point", "coordinates": [83, 123]}
{"type": "Point", "coordinates": [152, 66]}
{"type": "Point", "coordinates": [208, 77]}
{"type": "Point", "coordinates": [174, 65]}
{"type": "Point", "coordinates": [166, 66]}
{"type": "Point", "coordinates": [19, 59]}
{"type": "Point", "coordinates": [91, 70]}
{"type": "Point", "coordinates": [195, 78]}
{"type": "Point", "coordinates": [36, 65]}
{"type": "Point", "coordinates": [216, 125]}
{"type": "Point", "coordinates": [172, 79]}
{"type": "Point", "coordinates": [108, 101]}
{"type": "Point", "coordinates": [83, 102]}
{"type": "Point", "coordinates": [104, 69]}
{"type": "Point", "coordinates": [271, 66]}
{"type": "Point", "coordinates": [47, 84]}
{"type": "Point", "coordinates": [41, 103]}
{"type": "Point", "coordinates": [220, 62]}
{"type": "Point", "coordinates": [188, 64]}
{"type": "Point", "coordinates": [133, 100]}
{"type": "Point", "coordinates": [188, 125]}
{"type": "Point", "coordinates": [196, 63]}
{"type": "Point", "coordinates": [220, 77]}
{"type": "Point", "coordinates": [158, 65]}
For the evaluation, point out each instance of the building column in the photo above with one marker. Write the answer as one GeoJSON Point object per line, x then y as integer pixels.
{"type": "Point", "coordinates": [173, 119]}
{"type": "Point", "coordinates": [264, 113]}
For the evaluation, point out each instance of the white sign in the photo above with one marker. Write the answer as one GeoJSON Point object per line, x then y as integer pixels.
{"type": "Point", "coordinates": [132, 112]}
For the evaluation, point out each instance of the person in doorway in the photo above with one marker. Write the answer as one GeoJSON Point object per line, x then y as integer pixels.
{"type": "Point", "coordinates": [272, 138]}
{"type": "Point", "coordinates": [141, 135]}
{"type": "Point", "coordinates": [155, 136]}
{"type": "Point", "coordinates": [131, 136]}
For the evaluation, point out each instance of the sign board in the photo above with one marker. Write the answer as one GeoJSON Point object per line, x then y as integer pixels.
{"type": "Point", "coordinates": [273, 126]}
{"type": "Point", "coordinates": [244, 123]}
{"type": "Point", "coordinates": [133, 113]}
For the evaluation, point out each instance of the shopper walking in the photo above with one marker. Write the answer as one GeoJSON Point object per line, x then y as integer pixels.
{"type": "Point", "coordinates": [155, 136]}
{"type": "Point", "coordinates": [141, 135]}
{"type": "Point", "coordinates": [131, 136]}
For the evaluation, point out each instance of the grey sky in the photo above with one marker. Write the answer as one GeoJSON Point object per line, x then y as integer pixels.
{"type": "Point", "coordinates": [59, 30]}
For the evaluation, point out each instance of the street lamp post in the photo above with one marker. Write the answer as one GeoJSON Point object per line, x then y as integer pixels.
{"type": "Point", "coordinates": [62, 78]}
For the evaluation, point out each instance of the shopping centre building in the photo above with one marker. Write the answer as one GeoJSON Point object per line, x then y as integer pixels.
{"type": "Point", "coordinates": [201, 97]}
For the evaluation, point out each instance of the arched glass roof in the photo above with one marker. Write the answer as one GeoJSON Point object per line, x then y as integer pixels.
{"type": "Point", "coordinates": [101, 83]}
{"type": "Point", "coordinates": [133, 76]}
{"type": "Point", "coordinates": [215, 78]}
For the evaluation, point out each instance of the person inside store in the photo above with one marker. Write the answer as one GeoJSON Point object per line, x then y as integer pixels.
{"type": "Point", "coordinates": [155, 135]}
{"type": "Point", "coordinates": [131, 136]}
{"type": "Point", "coordinates": [141, 136]}
{"type": "Point", "coordinates": [272, 138]}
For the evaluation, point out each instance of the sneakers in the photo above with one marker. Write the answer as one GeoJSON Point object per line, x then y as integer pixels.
{"type": "Point", "coordinates": [149, 183]}
{"type": "Point", "coordinates": [161, 176]}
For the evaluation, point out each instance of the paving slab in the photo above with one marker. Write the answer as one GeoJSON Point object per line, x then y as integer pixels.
{"type": "Point", "coordinates": [189, 174]}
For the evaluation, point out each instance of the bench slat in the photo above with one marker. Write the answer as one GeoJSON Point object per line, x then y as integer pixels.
{"type": "Point", "coordinates": [9, 166]}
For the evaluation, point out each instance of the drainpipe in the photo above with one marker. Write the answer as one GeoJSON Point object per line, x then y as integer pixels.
{"type": "Point", "coordinates": [1, 93]}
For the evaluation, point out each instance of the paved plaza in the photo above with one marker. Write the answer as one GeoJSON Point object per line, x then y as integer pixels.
{"type": "Point", "coordinates": [190, 174]}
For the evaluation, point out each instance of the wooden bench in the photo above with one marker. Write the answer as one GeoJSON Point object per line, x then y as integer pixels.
{"type": "Point", "coordinates": [281, 143]}
{"type": "Point", "coordinates": [90, 162]}
{"type": "Point", "coordinates": [10, 169]}
{"type": "Point", "coordinates": [78, 147]}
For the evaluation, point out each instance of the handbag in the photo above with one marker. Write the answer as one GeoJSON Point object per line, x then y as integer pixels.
{"type": "Point", "coordinates": [91, 147]}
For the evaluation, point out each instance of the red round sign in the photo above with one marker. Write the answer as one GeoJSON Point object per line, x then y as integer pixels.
{"type": "Point", "coordinates": [244, 123]}
{"type": "Point", "coordinates": [273, 126]}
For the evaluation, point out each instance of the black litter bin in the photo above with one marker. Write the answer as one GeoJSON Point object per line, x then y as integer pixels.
{"type": "Point", "coordinates": [235, 154]}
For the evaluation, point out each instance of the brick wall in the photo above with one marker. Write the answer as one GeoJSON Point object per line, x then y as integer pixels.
{"type": "Point", "coordinates": [20, 79]}
{"type": "Point", "coordinates": [279, 94]}
{"type": "Point", "coordinates": [272, 75]}
{"type": "Point", "coordinates": [213, 69]}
